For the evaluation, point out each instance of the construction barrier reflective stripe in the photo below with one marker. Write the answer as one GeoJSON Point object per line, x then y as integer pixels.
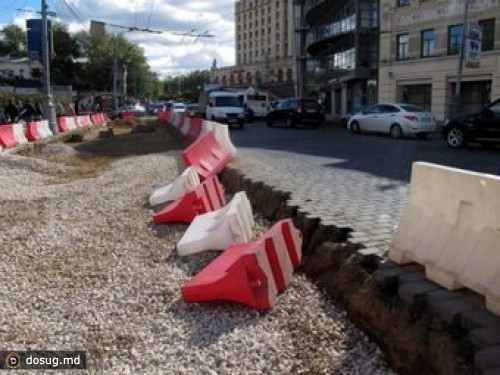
{"type": "Point", "coordinates": [44, 129]}
{"type": "Point", "coordinates": [219, 229]}
{"type": "Point", "coordinates": [451, 226]}
{"type": "Point", "coordinates": [206, 155]}
{"type": "Point", "coordinates": [186, 182]}
{"type": "Point", "coordinates": [206, 197]}
{"type": "Point", "coordinates": [127, 115]}
{"type": "Point", "coordinates": [252, 274]}
{"type": "Point", "coordinates": [195, 128]}
{"type": "Point", "coordinates": [32, 132]}
{"type": "Point", "coordinates": [19, 133]}
{"type": "Point", "coordinates": [221, 133]}
{"type": "Point", "coordinates": [7, 137]}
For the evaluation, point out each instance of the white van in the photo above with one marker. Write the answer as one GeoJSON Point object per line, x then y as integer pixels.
{"type": "Point", "coordinates": [225, 107]}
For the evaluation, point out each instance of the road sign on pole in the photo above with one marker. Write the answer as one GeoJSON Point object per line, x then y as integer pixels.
{"type": "Point", "coordinates": [473, 38]}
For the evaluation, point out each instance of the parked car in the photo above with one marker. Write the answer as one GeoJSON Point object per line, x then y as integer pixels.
{"type": "Point", "coordinates": [192, 110]}
{"type": "Point", "coordinates": [482, 127]}
{"type": "Point", "coordinates": [397, 120]}
{"type": "Point", "coordinates": [178, 108]}
{"type": "Point", "coordinates": [249, 113]}
{"type": "Point", "coordinates": [293, 111]}
{"type": "Point", "coordinates": [344, 119]}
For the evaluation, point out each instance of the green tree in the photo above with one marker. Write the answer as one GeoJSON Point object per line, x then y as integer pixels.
{"type": "Point", "coordinates": [12, 41]}
{"type": "Point", "coordinates": [65, 70]}
{"type": "Point", "coordinates": [185, 86]}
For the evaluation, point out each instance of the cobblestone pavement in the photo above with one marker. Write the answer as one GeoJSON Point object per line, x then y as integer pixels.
{"type": "Point", "coordinates": [347, 180]}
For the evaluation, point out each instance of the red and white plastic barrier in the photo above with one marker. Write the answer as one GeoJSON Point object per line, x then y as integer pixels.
{"type": "Point", "coordinates": [206, 155]}
{"type": "Point", "coordinates": [186, 182]}
{"type": "Point", "coordinates": [252, 274]}
{"type": "Point", "coordinates": [19, 133]}
{"type": "Point", "coordinates": [219, 229]}
{"type": "Point", "coordinates": [206, 197]}
{"type": "Point", "coordinates": [7, 137]}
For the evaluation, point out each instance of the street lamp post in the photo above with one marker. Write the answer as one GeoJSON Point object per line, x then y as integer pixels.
{"type": "Point", "coordinates": [48, 102]}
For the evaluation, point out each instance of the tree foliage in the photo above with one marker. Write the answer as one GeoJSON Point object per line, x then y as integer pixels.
{"type": "Point", "coordinates": [12, 41]}
{"type": "Point", "coordinates": [186, 86]}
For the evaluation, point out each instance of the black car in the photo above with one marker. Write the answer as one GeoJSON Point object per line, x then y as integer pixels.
{"type": "Point", "coordinates": [293, 111]}
{"type": "Point", "coordinates": [482, 127]}
{"type": "Point", "coordinates": [249, 113]}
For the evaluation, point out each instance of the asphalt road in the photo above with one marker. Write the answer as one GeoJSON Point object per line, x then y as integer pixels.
{"type": "Point", "coordinates": [348, 180]}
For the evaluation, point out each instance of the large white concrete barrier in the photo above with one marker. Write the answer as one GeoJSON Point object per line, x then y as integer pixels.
{"type": "Point", "coordinates": [217, 230]}
{"type": "Point", "coordinates": [451, 225]}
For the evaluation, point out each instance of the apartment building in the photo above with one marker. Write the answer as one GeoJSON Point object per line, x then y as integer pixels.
{"type": "Point", "coordinates": [264, 45]}
{"type": "Point", "coordinates": [420, 41]}
{"type": "Point", "coordinates": [342, 52]}
{"type": "Point", "coordinates": [18, 67]}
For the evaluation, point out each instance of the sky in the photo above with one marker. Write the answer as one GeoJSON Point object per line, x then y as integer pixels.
{"type": "Point", "coordinates": [167, 53]}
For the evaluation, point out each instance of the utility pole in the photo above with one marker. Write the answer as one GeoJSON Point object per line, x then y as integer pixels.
{"type": "Point", "coordinates": [115, 76]}
{"type": "Point", "coordinates": [48, 101]}
{"type": "Point", "coordinates": [457, 100]}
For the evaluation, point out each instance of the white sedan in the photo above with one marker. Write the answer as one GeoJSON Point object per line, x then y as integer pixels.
{"type": "Point", "coordinates": [179, 108]}
{"type": "Point", "coordinates": [395, 119]}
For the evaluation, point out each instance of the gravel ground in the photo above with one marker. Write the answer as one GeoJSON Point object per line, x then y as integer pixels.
{"type": "Point", "coordinates": [83, 268]}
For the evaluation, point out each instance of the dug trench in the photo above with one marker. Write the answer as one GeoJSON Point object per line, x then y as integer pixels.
{"type": "Point", "coordinates": [414, 340]}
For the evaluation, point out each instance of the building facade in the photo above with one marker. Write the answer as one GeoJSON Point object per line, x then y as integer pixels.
{"type": "Point", "coordinates": [264, 45]}
{"type": "Point", "coordinates": [19, 67]}
{"type": "Point", "coordinates": [420, 43]}
{"type": "Point", "coordinates": [342, 53]}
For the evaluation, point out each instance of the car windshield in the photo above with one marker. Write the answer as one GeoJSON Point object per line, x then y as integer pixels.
{"type": "Point", "coordinates": [412, 108]}
{"type": "Point", "coordinates": [179, 106]}
{"type": "Point", "coordinates": [227, 101]}
{"type": "Point", "coordinates": [310, 104]}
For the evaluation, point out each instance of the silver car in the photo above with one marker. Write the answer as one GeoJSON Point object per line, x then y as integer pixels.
{"type": "Point", "coordinates": [398, 120]}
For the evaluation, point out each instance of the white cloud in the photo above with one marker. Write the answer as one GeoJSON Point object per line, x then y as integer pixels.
{"type": "Point", "coordinates": [167, 53]}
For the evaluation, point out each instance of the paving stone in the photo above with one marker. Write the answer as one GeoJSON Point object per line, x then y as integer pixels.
{"type": "Point", "coordinates": [414, 292]}
{"type": "Point", "coordinates": [485, 336]}
{"type": "Point", "coordinates": [495, 371]}
{"type": "Point", "coordinates": [488, 358]}
{"type": "Point", "coordinates": [450, 310]}
{"type": "Point", "coordinates": [479, 318]}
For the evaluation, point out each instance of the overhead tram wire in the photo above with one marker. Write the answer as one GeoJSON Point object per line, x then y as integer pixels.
{"type": "Point", "coordinates": [74, 12]}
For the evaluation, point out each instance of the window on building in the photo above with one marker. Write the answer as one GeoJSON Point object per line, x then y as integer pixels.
{"type": "Point", "coordinates": [403, 41]}
{"type": "Point", "coordinates": [488, 28]}
{"type": "Point", "coordinates": [455, 33]}
{"type": "Point", "coordinates": [402, 3]}
{"type": "Point", "coordinates": [427, 42]}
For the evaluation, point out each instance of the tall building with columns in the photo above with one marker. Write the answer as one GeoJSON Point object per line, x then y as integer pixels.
{"type": "Point", "coordinates": [264, 46]}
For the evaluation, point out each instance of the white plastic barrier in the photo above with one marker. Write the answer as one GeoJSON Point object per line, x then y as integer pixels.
{"type": "Point", "coordinates": [71, 123]}
{"type": "Point", "coordinates": [185, 125]}
{"type": "Point", "coordinates": [44, 129]}
{"type": "Point", "coordinates": [186, 182]}
{"type": "Point", "coordinates": [221, 133]}
{"type": "Point", "coordinates": [19, 133]}
{"type": "Point", "coordinates": [451, 225]}
{"type": "Point", "coordinates": [217, 230]}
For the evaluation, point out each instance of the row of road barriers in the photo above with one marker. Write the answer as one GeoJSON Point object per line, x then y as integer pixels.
{"type": "Point", "coordinates": [13, 135]}
{"type": "Point", "coordinates": [451, 225]}
{"type": "Point", "coordinates": [250, 272]}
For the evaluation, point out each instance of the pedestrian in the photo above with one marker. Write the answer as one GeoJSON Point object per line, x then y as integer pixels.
{"type": "Point", "coordinates": [38, 110]}
{"type": "Point", "coordinates": [12, 111]}
{"type": "Point", "coordinates": [28, 113]}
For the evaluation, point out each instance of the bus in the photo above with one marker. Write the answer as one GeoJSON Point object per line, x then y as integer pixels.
{"type": "Point", "coordinates": [258, 101]}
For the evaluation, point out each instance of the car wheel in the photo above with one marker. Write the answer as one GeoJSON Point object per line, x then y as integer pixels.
{"type": "Point", "coordinates": [355, 127]}
{"type": "Point", "coordinates": [455, 137]}
{"type": "Point", "coordinates": [242, 125]}
{"type": "Point", "coordinates": [396, 131]}
{"type": "Point", "coordinates": [269, 123]}
{"type": "Point", "coordinates": [422, 135]}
